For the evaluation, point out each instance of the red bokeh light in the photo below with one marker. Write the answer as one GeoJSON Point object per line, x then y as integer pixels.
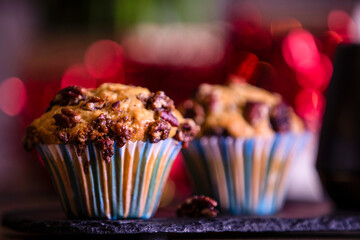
{"type": "Point", "coordinates": [103, 59]}
{"type": "Point", "coordinates": [247, 67]}
{"type": "Point", "coordinates": [179, 175]}
{"type": "Point", "coordinates": [300, 51]}
{"type": "Point", "coordinates": [317, 77]}
{"type": "Point", "coordinates": [310, 105]}
{"type": "Point", "coordinates": [118, 77]}
{"type": "Point", "coordinates": [279, 27]}
{"type": "Point", "coordinates": [340, 22]}
{"type": "Point", "coordinates": [77, 75]}
{"type": "Point", "coordinates": [12, 96]}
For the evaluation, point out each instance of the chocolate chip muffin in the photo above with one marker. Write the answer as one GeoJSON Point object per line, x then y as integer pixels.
{"type": "Point", "coordinates": [240, 110]}
{"type": "Point", "coordinates": [248, 140]}
{"type": "Point", "coordinates": [112, 113]}
{"type": "Point", "coordinates": [116, 139]}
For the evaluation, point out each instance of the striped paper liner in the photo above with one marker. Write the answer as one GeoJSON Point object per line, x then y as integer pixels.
{"type": "Point", "coordinates": [130, 186]}
{"type": "Point", "coordinates": [246, 175]}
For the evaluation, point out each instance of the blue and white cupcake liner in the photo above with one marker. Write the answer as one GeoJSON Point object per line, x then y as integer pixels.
{"type": "Point", "coordinates": [246, 175]}
{"type": "Point", "coordinates": [130, 186]}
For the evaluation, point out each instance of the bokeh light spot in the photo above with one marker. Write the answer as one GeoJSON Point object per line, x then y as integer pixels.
{"type": "Point", "coordinates": [103, 59]}
{"type": "Point", "coordinates": [310, 105]}
{"type": "Point", "coordinates": [300, 51]}
{"type": "Point", "coordinates": [280, 27]}
{"type": "Point", "coordinates": [317, 77]}
{"type": "Point", "coordinates": [340, 22]}
{"type": "Point", "coordinates": [247, 67]}
{"type": "Point", "coordinates": [12, 96]}
{"type": "Point", "coordinates": [77, 75]}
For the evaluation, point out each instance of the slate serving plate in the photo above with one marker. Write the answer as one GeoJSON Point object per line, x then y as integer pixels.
{"type": "Point", "coordinates": [296, 219]}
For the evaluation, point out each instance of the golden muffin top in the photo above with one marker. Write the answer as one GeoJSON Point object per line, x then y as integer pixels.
{"type": "Point", "coordinates": [238, 109]}
{"type": "Point", "coordinates": [109, 114]}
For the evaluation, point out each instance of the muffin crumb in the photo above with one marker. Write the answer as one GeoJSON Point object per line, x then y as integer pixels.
{"type": "Point", "coordinates": [197, 206]}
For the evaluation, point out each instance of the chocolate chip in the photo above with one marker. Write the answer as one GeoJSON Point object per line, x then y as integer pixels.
{"type": "Point", "coordinates": [71, 95]}
{"type": "Point", "coordinates": [106, 148]}
{"type": "Point", "coordinates": [80, 148]}
{"type": "Point", "coordinates": [255, 112]}
{"type": "Point", "coordinates": [71, 114]}
{"type": "Point", "coordinates": [198, 206]}
{"type": "Point", "coordinates": [123, 133]}
{"type": "Point", "coordinates": [93, 103]}
{"type": "Point", "coordinates": [192, 109]}
{"type": "Point", "coordinates": [101, 123]}
{"type": "Point", "coordinates": [67, 118]}
{"type": "Point", "coordinates": [62, 135]}
{"type": "Point", "coordinates": [169, 117]}
{"type": "Point", "coordinates": [62, 120]}
{"type": "Point", "coordinates": [80, 139]}
{"type": "Point", "coordinates": [159, 101]}
{"type": "Point", "coordinates": [208, 98]}
{"type": "Point", "coordinates": [115, 105]}
{"type": "Point", "coordinates": [186, 132]}
{"type": "Point", "coordinates": [159, 130]}
{"type": "Point", "coordinates": [82, 135]}
{"type": "Point", "coordinates": [280, 117]}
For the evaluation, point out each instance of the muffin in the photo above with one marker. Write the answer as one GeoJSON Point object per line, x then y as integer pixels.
{"type": "Point", "coordinates": [248, 140]}
{"type": "Point", "coordinates": [109, 150]}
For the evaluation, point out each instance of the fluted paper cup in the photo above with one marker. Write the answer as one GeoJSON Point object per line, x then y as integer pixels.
{"type": "Point", "coordinates": [130, 186]}
{"type": "Point", "coordinates": [246, 175]}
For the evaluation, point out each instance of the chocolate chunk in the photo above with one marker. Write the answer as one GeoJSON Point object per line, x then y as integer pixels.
{"type": "Point", "coordinates": [192, 109]}
{"type": "Point", "coordinates": [255, 112]}
{"type": "Point", "coordinates": [67, 118]}
{"type": "Point", "coordinates": [71, 95]}
{"type": "Point", "coordinates": [101, 123]}
{"type": "Point", "coordinates": [80, 148]}
{"type": "Point", "coordinates": [62, 135]}
{"type": "Point", "coordinates": [30, 138]}
{"type": "Point", "coordinates": [115, 105]}
{"type": "Point", "coordinates": [80, 139]}
{"type": "Point", "coordinates": [122, 133]}
{"type": "Point", "coordinates": [159, 101]}
{"type": "Point", "coordinates": [82, 135]}
{"type": "Point", "coordinates": [62, 120]}
{"type": "Point", "coordinates": [106, 148]}
{"type": "Point", "coordinates": [198, 206]}
{"type": "Point", "coordinates": [159, 130]}
{"type": "Point", "coordinates": [208, 98]}
{"type": "Point", "coordinates": [186, 132]}
{"type": "Point", "coordinates": [169, 117]}
{"type": "Point", "coordinates": [93, 103]}
{"type": "Point", "coordinates": [280, 117]}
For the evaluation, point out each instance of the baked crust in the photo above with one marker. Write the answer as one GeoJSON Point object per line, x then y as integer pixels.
{"type": "Point", "coordinates": [112, 112]}
{"type": "Point", "coordinates": [238, 109]}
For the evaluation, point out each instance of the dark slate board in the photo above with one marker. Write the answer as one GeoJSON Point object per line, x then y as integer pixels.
{"type": "Point", "coordinates": [52, 221]}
